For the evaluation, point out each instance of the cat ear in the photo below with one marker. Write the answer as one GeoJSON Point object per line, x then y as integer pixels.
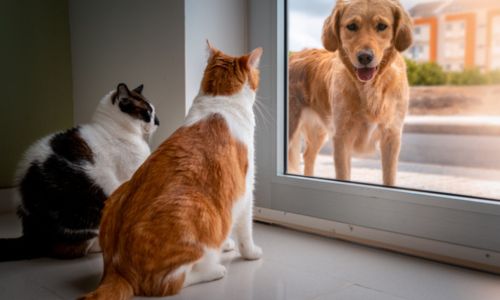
{"type": "Point", "coordinates": [210, 50]}
{"type": "Point", "coordinates": [139, 89]}
{"type": "Point", "coordinates": [254, 57]}
{"type": "Point", "coordinates": [122, 91]}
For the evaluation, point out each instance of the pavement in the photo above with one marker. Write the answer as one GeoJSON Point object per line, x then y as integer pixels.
{"type": "Point", "coordinates": [449, 154]}
{"type": "Point", "coordinates": [476, 182]}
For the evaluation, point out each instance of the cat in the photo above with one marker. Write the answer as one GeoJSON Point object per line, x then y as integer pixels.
{"type": "Point", "coordinates": [164, 228]}
{"type": "Point", "coordinates": [64, 178]}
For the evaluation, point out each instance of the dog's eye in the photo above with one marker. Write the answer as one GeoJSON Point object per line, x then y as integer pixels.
{"type": "Point", "coordinates": [352, 27]}
{"type": "Point", "coordinates": [381, 27]}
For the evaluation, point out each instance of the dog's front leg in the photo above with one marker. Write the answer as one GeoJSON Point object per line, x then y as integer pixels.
{"type": "Point", "coordinates": [390, 146]}
{"type": "Point", "coordinates": [342, 157]}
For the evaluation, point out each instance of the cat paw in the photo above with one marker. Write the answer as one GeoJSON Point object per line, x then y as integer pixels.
{"type": "Point", "coordinates": [251, 253]}
{"type": "Point", "coordinates": [218, 272]}
{"type": "Point", "coordinates": [214, 272]}
{"type": "Point", "coordinates": [228, 245]}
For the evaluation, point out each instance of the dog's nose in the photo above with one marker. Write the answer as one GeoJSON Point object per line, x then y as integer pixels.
{"type": "Point", "coordinates": [365, 57]}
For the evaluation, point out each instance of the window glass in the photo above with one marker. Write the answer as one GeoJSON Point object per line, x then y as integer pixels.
{"type": "Point", "coordinates": [450, 141]}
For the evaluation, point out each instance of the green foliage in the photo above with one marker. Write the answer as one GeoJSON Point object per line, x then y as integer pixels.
{"type": "Point", "coordinates": [425, 73]}
{"type": "Point", "coordinates": [412, 71]}
{"type": "Point", "coordinates": [467, 77]}
{"type": "Point", "coordinates": [494, 77]}
{"type": "Point", "coordinates": [432, 74]}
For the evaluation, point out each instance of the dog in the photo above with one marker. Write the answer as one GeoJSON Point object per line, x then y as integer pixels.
{"type": "Point", "coordinates": [355, 90]}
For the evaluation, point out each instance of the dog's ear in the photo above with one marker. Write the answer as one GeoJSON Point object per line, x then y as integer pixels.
{"type": "Point", "coordinates": [330, 37]}
{"type": "Point", "coordinates": [403, 36]}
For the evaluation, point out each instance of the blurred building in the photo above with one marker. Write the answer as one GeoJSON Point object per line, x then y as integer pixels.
{"type": "Point", "coordinates": [457, 34]}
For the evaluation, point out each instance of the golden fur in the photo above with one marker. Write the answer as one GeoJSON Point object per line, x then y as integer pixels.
{"type": "Point", "coordinates": [179, 203]}
{"type": "Point", "coordinates": [225, 74]}
{"type": "Point", "coordinates": [328, 96]}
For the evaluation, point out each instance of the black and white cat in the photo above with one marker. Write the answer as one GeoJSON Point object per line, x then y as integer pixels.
{"type": "Point", "coordinates": [65, 177]}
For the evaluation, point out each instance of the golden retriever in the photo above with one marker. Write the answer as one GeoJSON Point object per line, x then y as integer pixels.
{"type": "Point", "coordinates": [356, 90]}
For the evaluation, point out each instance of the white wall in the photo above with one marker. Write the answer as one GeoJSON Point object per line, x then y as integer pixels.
{"type": "Point", "coordinates": [129, 41]}
{"type": "Point", "coordinates": [223, 23]}
{"type": "Point", "coordinates": [159, 43]}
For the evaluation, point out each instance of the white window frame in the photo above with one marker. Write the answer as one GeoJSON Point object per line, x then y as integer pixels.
{"type": "Point", "coordinates": [459, 230]}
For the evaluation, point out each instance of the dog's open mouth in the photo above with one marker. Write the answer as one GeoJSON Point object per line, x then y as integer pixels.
{"type": "Point", "coordinates": [366, 74]}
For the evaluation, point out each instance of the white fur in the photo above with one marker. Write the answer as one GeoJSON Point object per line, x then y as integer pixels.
{"type": "Point", "coordinates": [117, 140]}
{"type": "Point", "coordinates": [236, 109]}
{"type": "Point", "coordinates": [38, 152]}
{"type": "Point", "coordinates": [208, 268]}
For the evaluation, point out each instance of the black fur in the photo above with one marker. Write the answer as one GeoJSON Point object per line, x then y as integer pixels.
{"type": "Point", "coordinates": [71, 146]}
{"type": "Point", "coordinates": [136, 107]}
{"type": "Point", "coordinates": [57, 199]}
{"type": "Point", "coordinates": [133, 103]}
{"type": "Point", "coordinates": [139, 89]}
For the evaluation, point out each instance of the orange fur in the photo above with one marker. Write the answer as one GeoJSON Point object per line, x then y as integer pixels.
{"type": "Point", "coordinates": [225, 75]}
{"type": "Point", "coordinates": [180, 201]}
{"type": "Point", "coordinates": [327, 96]}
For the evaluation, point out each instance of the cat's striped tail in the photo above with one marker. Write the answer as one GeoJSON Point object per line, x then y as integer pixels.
{"type": "Point", "coordinates": [112, 286]}
{"type": "Point", "coordinates": [18, 249]}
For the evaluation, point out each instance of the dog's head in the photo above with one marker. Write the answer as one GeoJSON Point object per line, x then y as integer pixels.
{"type": "Point", "coordinates": [367, 33]}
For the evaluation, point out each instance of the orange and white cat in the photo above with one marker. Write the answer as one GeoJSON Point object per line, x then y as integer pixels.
{"type": "Point", "coordinates": [165, 228]}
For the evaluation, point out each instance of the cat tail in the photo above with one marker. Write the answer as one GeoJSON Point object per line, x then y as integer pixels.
{"type": "Point", "coordinates": [113, 286]}
{"type": "Point", "coordinates": [18, 249]}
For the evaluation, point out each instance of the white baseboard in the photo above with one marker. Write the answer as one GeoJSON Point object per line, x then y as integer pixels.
{"type": "Point", "coordinates": [9, 200]}
{"type": "Point", "coordinates": [430, 249]}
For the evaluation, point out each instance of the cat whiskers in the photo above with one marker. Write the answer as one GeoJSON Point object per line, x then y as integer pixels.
{"type": "Point", "coordinates": [264, 114]}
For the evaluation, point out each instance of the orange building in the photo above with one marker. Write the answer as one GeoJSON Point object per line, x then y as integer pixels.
{"type": "Point", "coordinates": [457, 34]}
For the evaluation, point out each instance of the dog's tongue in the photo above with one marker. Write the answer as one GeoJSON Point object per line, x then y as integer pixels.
{"type": "Point", "coordinates": [366, 74]}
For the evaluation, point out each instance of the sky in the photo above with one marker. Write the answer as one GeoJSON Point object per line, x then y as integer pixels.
{"type": "Point", "coordinates": [306, 18]}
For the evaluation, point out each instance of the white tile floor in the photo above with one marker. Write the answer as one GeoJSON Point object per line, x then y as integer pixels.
{"type": "Point", "coordinates": [295, 266]}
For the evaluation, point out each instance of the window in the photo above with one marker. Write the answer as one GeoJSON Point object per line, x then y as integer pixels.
{"type": "Point", "coordinates": [454, 227]}
{"type": "Point", "coordinates": [412, 52]}
{"type": "Point", "coordinates": [436, 154]}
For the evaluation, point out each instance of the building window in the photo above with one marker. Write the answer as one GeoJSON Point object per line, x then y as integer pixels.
{"type": "Point", "coordinates": [413, 52]}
